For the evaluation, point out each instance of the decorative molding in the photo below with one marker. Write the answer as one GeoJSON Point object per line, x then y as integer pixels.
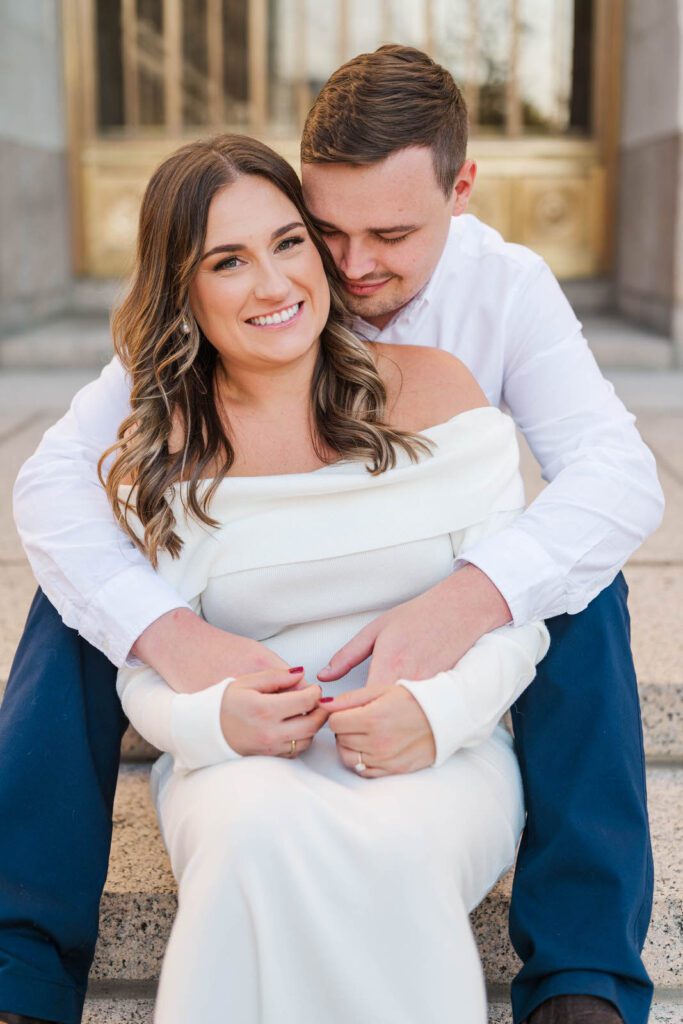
{"type": "Point", "coordinates": [555, 194]}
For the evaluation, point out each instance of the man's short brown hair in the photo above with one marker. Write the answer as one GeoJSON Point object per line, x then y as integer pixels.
{"type": "Point", "coordinates": [384, 101]}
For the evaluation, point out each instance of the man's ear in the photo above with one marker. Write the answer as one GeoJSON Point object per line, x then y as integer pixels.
{"type": "Point", "coordinates": [462, 187]}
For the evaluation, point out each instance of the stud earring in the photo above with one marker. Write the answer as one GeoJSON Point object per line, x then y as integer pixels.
{"type": "Point", "coordinates": [185, 327]}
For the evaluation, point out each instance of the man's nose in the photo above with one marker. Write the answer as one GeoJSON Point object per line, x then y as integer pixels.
{"type": "Point", "coordinates": [355, 260]}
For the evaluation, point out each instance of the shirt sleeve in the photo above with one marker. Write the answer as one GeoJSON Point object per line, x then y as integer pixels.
{"type": "Point", "coordinates": [464, 704]}
{"type": "Point", "coordinates": [603, 497]}
{"type": "Point", "coordinates": [93, 574]}
{"type": "Point", "coordinates": [185, 725]}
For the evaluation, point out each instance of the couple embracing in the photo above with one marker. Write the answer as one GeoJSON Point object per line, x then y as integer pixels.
{"type": "Point", "coordinates": [284, 535]}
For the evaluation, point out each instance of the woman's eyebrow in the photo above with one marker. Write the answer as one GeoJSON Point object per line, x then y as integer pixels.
{"type": "Point", "coordinates": [238, 246]}
{"type": "Point", "coordinates": [285, 229]}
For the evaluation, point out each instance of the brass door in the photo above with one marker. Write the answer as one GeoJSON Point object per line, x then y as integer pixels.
{"type": "Point", "coordinates": [541, 80]}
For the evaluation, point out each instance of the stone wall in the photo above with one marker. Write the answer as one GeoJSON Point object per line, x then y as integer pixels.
{"type": "Point", "coordinates": [35, 258]}
{"type": "Point", "coordinates": [649, 272]}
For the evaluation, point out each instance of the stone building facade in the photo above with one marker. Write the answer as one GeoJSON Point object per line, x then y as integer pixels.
{"type": "Point", "coordinates": [605, 206]}
{"type": "Point", "coordinates": [35, 230]}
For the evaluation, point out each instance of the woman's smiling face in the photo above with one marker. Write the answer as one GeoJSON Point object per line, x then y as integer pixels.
{"type": "Point", "coordinates": [260, 294]}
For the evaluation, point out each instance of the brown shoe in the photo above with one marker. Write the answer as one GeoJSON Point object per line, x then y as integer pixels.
{"type": "Point", "coordinates": [575, 1010]}
{"type": "Point", "coordinates": [19, 1018]}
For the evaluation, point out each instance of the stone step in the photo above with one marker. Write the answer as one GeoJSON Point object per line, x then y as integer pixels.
{"type": "Point", "coordinates": [139, 902]}
{"type": "Point", "coordinates": [118, 1011]}
{"type": "Point", "coordinates": [500, 1013]}
{"type": "Point", "coordinates": [655, 603]}
{"type": "Point", "coordinates": [63, 342]}
{"type": "Point", "coordinates": [113, 1010]}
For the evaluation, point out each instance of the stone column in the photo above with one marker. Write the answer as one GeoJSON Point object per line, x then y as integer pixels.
{"type": "Point", "coordinates": [649, 273]}
{"type": "Point", "coordinates": [35, 257]}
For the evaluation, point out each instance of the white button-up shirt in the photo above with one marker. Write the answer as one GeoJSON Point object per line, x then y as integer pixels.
{"type": "Point", "coordinates": [498, 308]}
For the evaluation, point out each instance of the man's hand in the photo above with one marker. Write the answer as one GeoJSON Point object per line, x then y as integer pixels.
{"type": "Point", "coordinates": [426, 635]}
{"type": "Point", "coordinates": [387, 727]}
{"type": "Point", "coordinates": [190, 654]}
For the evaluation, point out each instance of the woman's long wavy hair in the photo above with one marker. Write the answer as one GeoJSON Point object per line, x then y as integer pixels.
{"type": "Point", "coordinates": [173, 373]}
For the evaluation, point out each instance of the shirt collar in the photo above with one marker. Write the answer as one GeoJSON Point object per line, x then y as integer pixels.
{"type": "Point", "coordinates": [432, 286]}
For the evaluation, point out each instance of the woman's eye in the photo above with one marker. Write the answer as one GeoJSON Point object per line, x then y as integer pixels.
{"type": "Point", "coordinates": [289, 243]}
{"type": "Point", "coordinates": [229, 263]}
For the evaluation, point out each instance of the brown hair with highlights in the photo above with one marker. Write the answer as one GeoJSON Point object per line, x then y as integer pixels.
{"type": "Point", "coordinates": [173, 371]}
{"type": "Point", "coordinates": [381, 102]}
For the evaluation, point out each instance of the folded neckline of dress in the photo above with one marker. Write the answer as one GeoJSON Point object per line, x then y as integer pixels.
{"type": "Point", "coordinates": [264, 521]}
{"type": "Point", "coordinates": [403, 460]}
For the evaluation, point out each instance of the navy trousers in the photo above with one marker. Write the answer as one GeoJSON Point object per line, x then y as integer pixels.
{"type": "Point", "coordinates": [61, 725]}
{"type": "Point", "coordinates": [583, 887]}
{"type": "Point", "coordinates": [582, 892]}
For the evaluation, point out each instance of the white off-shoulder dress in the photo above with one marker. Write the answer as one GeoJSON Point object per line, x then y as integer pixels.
{"type": "Point", "coordinates": [308, 893]}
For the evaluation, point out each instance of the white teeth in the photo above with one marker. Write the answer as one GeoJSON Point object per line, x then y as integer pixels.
{"type": "Point", "coordinates": [276, 318]}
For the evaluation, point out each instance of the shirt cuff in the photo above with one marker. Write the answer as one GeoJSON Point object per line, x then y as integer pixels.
{"type": "Point", "coordinates": [443, 704]}
{"type": "Point", "coordinates": [122, 610]}
{"type": "Point", "coordinates": [464, 704]}
{"type": "Point", "coordinates": [522, 571]}
{"type": "Point", "coordinates": [198, 739]}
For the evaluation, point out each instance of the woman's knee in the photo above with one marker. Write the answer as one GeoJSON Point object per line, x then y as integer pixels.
{"type": "Point", "coordinates": [236, 808]}
{"type": "Point", "coordinates": [490, 819]}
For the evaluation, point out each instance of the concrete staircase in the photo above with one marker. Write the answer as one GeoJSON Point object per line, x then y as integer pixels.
{"type": "Point", "coordinates": [139, 904]}
{"type": "Point", "coordinates": [140, 896]}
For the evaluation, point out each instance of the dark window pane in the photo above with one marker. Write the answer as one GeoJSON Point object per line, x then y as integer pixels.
{"type": "Point", "coordinates": [108, 61]}
{"type": "Point", "coordinates": [150, 43]}
{"type": "Point", "coordinates": [545, 90]}
{"type": "Point", "coordinates": [582, 67]}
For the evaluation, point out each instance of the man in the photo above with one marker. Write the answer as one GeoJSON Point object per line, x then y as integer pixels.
{"type": "Point", "coordinates": [386, 176]}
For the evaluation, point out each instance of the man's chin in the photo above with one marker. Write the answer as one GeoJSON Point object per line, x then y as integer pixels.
{"type": "Point", "coordinates": [367, 306]}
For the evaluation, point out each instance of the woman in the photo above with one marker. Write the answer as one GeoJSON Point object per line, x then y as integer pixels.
{"type": "Point", "coordinates": [292, 481]}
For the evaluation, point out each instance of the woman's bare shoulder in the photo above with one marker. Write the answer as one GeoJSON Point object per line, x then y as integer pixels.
{"type": "Point", "coordinates": [425, 386]}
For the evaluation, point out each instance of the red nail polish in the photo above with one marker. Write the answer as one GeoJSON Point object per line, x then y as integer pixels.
{"type": "Point", "coordinates": [293, 671]}
{"type": "Point", "coordinates": [325, 700]}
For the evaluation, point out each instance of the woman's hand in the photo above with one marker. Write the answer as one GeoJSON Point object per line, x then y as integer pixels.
{"type": "Point", "coordinates": [387, 726]}
{"type": "Point", "coordinates": [261, 713]}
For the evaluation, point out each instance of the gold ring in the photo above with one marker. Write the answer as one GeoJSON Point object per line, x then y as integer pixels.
{"type": "Point", "coordinates": [292, 748]}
